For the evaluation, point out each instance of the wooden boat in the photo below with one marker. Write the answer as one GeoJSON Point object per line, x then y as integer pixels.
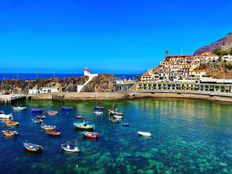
{"type": "Point", "coordinates": [36, 110]}
{"type": "Point", "coordinates": [52, 113]}
{"type": "Point", "coordinates": [10, 123]}
{"type": "Point", "coordinates": [40, 117]}
{"type": "Point", "coordinates": [70, 146]}
{"type": "Point", "coordinates": [53, 132]}
{"type": "Point", "coordinates": [67, 108]}
{"type": "Point", "coordinates": [99, 107]}
{"type": "Point", "coordinates": [8, 133]}
{"type": "Point", "coordinates": [32, 147]}
{"type": "Point", "coordinates": [79, 117]}
{"type": "Point", "coordinates": [5, 116]}
{"type": "Point", "coordinates": [37, 121]}
{"type": "Point", "coordinates": [91, 135]}
{"type": "Point", "coordinates": [48, 127]}
{"type": "Point", "coordinates": [125, 124]}
{"type": "Point", "coordinates": [18, 108]}
{"type": "Point", "coordinates": [84, 125]}
{"type": "Point", "coordinates": [98, 112]}
{"type": "Point", "coordinates": [145, 134]}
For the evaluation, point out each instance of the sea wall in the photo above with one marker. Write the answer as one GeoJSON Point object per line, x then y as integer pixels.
{"type": "Point", "coordinates": [120, 96]}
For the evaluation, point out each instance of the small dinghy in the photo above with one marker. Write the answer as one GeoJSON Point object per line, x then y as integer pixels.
{"type": "Point", "coordinates": [36, 121]}
{"type": "Point", "coordinates": [84, 125]}
{"type": "Point", "coordinates": [70, 146]}
{"type": "Point", "coordinates": [52, 113]}
{"type": "Point", "coordinates": [118, 116]}
{"type": "Point", "coordinates": [114, 120]}
{"type": "Point", "coordinates": [111, 112]}
{"type": "Point", "coordinates": [36, 110]}
{"type": "Point", "coordinates": [99, 107]}
{"type": "Point", "coordinates": [98, 112]}
{"type": "Point", "coordinates": [125, 124]}
{"type": "Point", "coordinates": [40, 117]}
{"type": "Point", "coordinates": [67, 108]}
{"type": "Point", "coordinates": [47, 127]}
{"type": "Point", "coordinates": [91, 135]}
{"type": "Point", "coordinates": [53, 132]}
{"type": "Point", "coordinates": [11, 123]}
{"type": "Point", "coordinates": [79, 117]}
{"type": "Point", "coordinates": [145, 134]}
{"type": "Point", "coordinates": [18, 108]}
{"type": "Point", "coordinates": [32, 147]}
{"type": "Point", "coordinates": [8, 133]}
{"type": "Point", "coordinates": [5, 116]}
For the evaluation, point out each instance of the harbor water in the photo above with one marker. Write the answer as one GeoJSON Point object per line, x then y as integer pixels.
{"type": "Point", "coordinates": [188, 136]}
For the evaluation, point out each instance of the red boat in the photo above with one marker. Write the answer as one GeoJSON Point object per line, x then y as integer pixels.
{"type": "Point", "coordinates": [53, 132]}
{"type": "Point", "coordinates": [91, 135]}
{"type": "Point", "coordinates": [79, 117]}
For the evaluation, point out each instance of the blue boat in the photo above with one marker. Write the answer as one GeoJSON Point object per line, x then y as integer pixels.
{"type": "Point", "coordinates": [67, 108]}
{"type": "Point", "coordinates": [37, 110]}
{"type": "Point", "coordinates": [84, 125]}
{"type": "Point", "coordinates": [32, 147]}
{"type": "Point", "coordinates": [99, 107]}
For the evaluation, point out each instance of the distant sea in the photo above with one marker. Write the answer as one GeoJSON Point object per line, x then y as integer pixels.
{"type": "Point", "coordinates": [33, 76]}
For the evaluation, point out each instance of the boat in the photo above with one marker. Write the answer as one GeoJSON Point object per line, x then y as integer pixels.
{"type": "Point", "coordinates": [70, 146]}
{"type": "Point", "coordinates": [40, 117]}
{"type": "Point", "coordinates": [145, 134]}
{"type": "Point", "coordinates": [52, 113]}
{"type": "Point", "coordinates": [36, 110]}
{"type": "Point", "coordinates": [125, 124]}
{"type": "Point", "coordinates": [79, 117]}
{"type": "Point", "coordinates": [98, 112]}
{"type": "Point", "coordinates": [48, 127]}
{"type": "Point", "coordinates": [67, 108]}
{"type": "Point", "coordinates": [10, 123]}
{"type": "Point", "coordinates": [8, 133]}
{"type": "Point", "coordinates": [84, 125]}
{"type": "Point", "coordinates": [32, 147]}
{"type": "Point", "coordinates": [18, 108]}
{"type": "Point", "coordinates": [53, 132]}
{"type": "Point", "coordinates": [91, 135]}
{"type": "Point", "coordinates": [118, 116]}
{"type": "Point", "coordinates": [112, 112]}
{"type": "Point", "coordinates": [114, 120]}
{"type": "Point", "coordinates": [5, 116]}
{"type": "Point", "coordinates": [99, 107]}
{"type": "Point", "coordinates": [37, 121]}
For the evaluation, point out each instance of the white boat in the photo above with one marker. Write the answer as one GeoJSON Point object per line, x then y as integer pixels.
{"type": "Point", "coordinates": [5, 116]}
{"type": "Point", "coordinates": [70, 147]}
{"type": "Point", "coordinates": [145, 134]}
{"type": "Point", "coordinates": [118, 116]}
{"type": "Point", "coordinates": [98, 112]}
{"type": "Point", "coordinates": [48, 127]}
{"type": "Point", "coordinates": [18, 108]}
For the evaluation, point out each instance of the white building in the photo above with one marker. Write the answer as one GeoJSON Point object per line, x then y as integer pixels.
{"type": "Point", "coordinates": [43, 90]}
{"type": "Point", "coordinates": [227, 58]}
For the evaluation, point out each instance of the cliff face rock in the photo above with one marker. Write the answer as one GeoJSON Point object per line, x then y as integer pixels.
{"type": "Point", "coordinates": [101, 83]}
{"type": "Point", "coordinates": [23, 86]}
{"type": "Point", "coordinates": [224, 43]}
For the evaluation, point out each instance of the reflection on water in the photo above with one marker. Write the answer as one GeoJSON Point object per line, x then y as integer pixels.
{"type": "Point", "coordinates": [190, 136]}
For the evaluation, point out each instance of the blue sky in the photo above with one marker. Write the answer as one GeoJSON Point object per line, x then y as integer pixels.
{"type": "Point", "coordinates": [109, 36]}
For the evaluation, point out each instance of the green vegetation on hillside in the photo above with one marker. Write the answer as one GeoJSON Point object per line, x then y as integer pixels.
{"type": "Point", "coordinates": [220, 52]}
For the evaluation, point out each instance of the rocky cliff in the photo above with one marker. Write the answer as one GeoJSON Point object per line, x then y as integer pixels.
{"type": "Point", "coordinates": [224, 43]}
{"type": "Point", "coordinates": [102, 83]}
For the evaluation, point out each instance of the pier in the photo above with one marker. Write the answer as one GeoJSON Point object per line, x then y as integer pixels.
{"type": "Point", "coordinates": [11, 98]}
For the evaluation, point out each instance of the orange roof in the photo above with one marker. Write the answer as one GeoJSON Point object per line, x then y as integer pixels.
{"type": "Point", "coordinates": [147, 74]}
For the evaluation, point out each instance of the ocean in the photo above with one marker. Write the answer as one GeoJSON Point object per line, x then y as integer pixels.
{"type": "Point", "coordinates": [32, 76]}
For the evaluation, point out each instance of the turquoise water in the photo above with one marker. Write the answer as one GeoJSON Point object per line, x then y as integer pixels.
{"type": "Point", "coordinates": [189, 136]}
